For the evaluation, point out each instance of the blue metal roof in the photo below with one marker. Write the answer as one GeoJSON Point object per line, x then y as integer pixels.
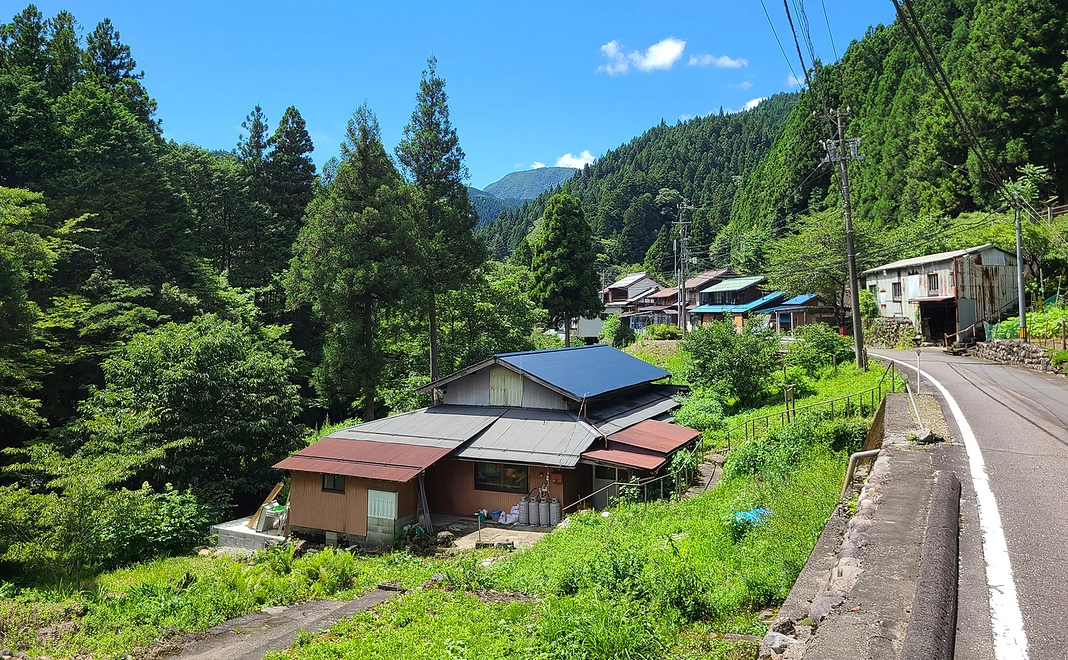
{"type": "Point", "coordinates": [755, 305]}
{"type": "Point", "coordinates": [803, 299]}
{"type": "Point", "coordinates": [712, 309]}
{"type": "Point", "coordinates": [585, 371]}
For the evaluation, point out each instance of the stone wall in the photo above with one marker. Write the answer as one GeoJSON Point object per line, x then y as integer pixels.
{"type": "Point", "coordinates": [889, 332]}
{"type": "Point", "coordinates": [1018, 353]}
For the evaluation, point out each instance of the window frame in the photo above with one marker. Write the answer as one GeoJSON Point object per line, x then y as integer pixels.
{"type": "Point", "coordinates": [334, 478]}
{"type": "Point", "coordinates": [895, 290]}
{"type": "Point", "coordinates": [935, 288]}
{"type": "Point", "coordinates": [501, 487]}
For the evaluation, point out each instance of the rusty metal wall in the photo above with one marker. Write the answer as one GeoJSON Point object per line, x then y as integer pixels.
{"type": "Point", "coordinates": [992, 287]}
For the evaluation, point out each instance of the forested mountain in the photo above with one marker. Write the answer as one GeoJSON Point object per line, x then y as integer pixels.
{"type": "Point", "coordinates": [487, 206]}
{"type": "Point", "coordinates": [528, 184]}
{"type": "Point", "coordinates": [1006, 62]}
{"type": "Point", "coordinates": [633, 191]}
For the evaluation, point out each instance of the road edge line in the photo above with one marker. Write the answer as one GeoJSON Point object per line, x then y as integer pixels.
{"type": "Point", "coordinates": [1006, 619]}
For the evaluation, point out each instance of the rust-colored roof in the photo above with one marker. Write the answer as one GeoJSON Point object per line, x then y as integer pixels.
{"type": "Point", "coordinates": [370, 459]}
{"type": "Point", "coordinates": [617, 454]}
{"type": "Point", "coordinates": [653, 435]}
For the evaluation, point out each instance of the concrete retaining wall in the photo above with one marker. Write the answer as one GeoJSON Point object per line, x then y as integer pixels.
{"type": "Point", "coordinates": [1018, 353]}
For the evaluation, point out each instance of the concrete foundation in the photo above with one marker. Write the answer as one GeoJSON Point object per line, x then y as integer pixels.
{"type": "Point", "coordinates": [236, 534]}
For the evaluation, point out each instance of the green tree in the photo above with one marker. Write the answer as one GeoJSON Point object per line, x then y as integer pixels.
{"type": "Point", "coordinates": [446, 248]}
{"type": "Point", "coordinates": [350, 258]}
{"type": "Point", "coordinates": [734, 364]}
{"type": "Point", "coordinates": [564, 270]}
{"type": "Point", "coordinates": [290, 175]}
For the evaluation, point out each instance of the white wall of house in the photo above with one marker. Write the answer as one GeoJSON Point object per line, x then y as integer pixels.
{"type": "Point", "coordinates": [482, 389]}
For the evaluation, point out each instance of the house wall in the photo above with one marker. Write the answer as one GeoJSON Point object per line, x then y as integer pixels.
{"type": "Point", "coordinates": [913, 281]}
{"type": "Point", "coordinates": [344, 513]}
{"type": "Point", "coordinates": [474, 390]}
{"type": "Point", "coordinates": [450, 488]}
{"type": "Point", "coordinates": [992, 285]}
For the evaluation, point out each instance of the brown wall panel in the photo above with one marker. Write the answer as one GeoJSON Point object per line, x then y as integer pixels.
{"type": "Point", "coordinates": [342, 512]}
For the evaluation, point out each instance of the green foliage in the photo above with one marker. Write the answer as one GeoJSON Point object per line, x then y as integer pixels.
{"type": "Point", "coordinates": [702, 410]}
{"type": "Point", "coordinates": [781, 451]}
{"type": "Point", "coordinates": [615, 332]}
{"type": "Point", "coordinates": [563, 268]}
{"type": "Point", "coordinates": [869, 307]}
{"type": "Point", "coordinates": [816, 346]}
{"type": "Point", "coordinates": [663, 331]}
{"type": "Point", "coordinates": [1060, 358]}
{"type": "Point", "coordinates": [734, 364]}
{"type": "Point", "coordinates": [1040, 325]}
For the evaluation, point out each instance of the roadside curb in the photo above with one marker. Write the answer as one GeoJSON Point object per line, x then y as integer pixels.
{"type": "Point", "coordinates": [932, 627]}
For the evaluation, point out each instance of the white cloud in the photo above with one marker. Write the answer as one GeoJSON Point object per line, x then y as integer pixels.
{"type": "Point", "coordinates": [794, 81]}
{"type": "Point", "coordinates": [752, 103]}
{"type": "Point", "coordinates": [745, 84]}
{"type": "Point", "coordinates": [721, 62]}
{"type": "Point", "coordinates": [580, 161]}
{"type": "Point", "coordinates": [660, 56]}
{"type": "Point", "coordinates": [537, 165]}
{"type": "Point", "coordinates": [685, 117]}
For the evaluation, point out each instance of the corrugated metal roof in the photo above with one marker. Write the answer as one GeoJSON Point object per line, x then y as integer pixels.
{"type": "Point", "coordinates": [755, 305]}
{"type": "Point", "coordinates": [628, 408]}
{"type": "Point", "coordinates": [932, 299]}
{"type": "Point", "coordinates": [652, 435]}
{"type": "Point", "coordinates": [666, 293]}
{"type": "Point", "coordinates": [625, 456]}
{"type": "Point", "coordinates": [439, 426]}
{"type": "Point", "coordinates": [702, 278]}
{"type": "Point", "coordinates": [803, 299]}
{"type": "Point", "coordinates": [364, 458]}
{"type": "Point", "coordinates": [734, 284]}
{"type": "Point", "coordinates": [930, 258]}
{"type": "Point", "coordinates": [712, 309]}
{"type": "Point", "coordinates": [632, 417]}
{"type": "Point", "coordinates": [585, 371]}
{"type": "Point", "coordinates": [628, 280]}
{"type": "Point", "coordinates": [543, 437]}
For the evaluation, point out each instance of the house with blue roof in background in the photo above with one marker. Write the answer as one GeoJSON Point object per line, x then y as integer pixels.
{"type": "Point", "coordinates": [736, 299]}
{"type": "Point", "coordinates": [562, 424]}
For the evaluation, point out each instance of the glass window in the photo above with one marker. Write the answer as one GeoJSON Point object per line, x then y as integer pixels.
{"type": "Point", "coordinates": [501, 477]}
{"type": "Point", "coordinates": [895, 288]}
{"type": "Point", "coordinates": [932, 283]}
{"type": "Point", "coordinates": [333, 483]}
{"type": "Point", "coordinates": [602, 472]}
{"type": "Point", "coordinates": [874, 289]}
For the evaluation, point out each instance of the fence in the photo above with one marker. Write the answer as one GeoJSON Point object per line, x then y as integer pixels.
{"type": "Point", "coordinates": [618, 490]}
{"type": "Point", "coordinates": [864, 400]}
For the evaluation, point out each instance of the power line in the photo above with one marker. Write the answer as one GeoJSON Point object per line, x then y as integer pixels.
{"type": "Point", "coordinates": [827, 19]}
{"type": "Point", "coordinates": [804, 69]}
{"type": "Point", "coordinates": [776, 34]}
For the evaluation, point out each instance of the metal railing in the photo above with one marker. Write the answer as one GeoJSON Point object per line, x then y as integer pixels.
{"type": "Point", "coordinates": [686, 473]}
{"type": "Point", "coordinates": [752, 427]}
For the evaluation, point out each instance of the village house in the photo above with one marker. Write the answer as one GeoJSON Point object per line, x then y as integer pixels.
{"type": "Point", "coordinates": [801, 310]}
{"type": "Point", "coordinates": [736, 299]}
{"type": "Point", "coordinates": [619, 297]}
{"type": "Point", "coordinates": [949, 292]}
{"type": "Point", "coordinates": [564, 423]}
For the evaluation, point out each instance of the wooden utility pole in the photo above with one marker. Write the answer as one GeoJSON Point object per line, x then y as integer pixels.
{"type": "Point", "coordinates": [683, 259]}
{"type": "Point", "coordinates": [840, 151]}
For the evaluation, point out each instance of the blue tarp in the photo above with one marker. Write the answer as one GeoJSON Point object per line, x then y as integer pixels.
{"type": "Point", "coordinates": [585, 371]}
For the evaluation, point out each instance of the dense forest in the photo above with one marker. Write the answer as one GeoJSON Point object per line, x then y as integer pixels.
{"type": "Point", "coordinates": [175, 320]}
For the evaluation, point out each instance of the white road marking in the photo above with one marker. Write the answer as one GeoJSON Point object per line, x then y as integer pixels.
{"type": "Point", "coordinates": [1010, 639]}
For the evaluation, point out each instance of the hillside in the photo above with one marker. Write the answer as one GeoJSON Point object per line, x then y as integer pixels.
{"type": "Point", "coordinates": [631, 192]}
{"type": "Point", "coordinates": [488, 207]}
{"type": "Point", "coordinates": [528, 184]}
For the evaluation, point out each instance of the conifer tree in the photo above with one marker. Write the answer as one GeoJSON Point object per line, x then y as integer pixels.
{"type": "Point", "coordinates": [290, 176]}
{"type": "Point", "coordinates": [447, 249]}
{"type": "Point", "coordinates": [564, 271]}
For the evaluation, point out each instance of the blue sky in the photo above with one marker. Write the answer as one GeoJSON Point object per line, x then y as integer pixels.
{"type": "Point", "coordinates": [528, 83]}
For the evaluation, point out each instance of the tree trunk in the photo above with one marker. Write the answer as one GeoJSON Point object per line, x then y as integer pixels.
{"type": "Point", "coordinates": [369, 357]}
{"type": "Point", "coordinates": [567, 330]}
{"type": "Point", "coordinates": [434, 342]}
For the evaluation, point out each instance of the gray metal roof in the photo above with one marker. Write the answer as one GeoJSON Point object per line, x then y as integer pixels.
{"type": "Point", "coordinates": [629, 280]}
{"type": "Point", "coordinates": [525, 435]}
{"type": "Point", "coordinates": [631, 417]}
{"type": "Point", "coordinates": [734, 284]}
{"type": "Point", "coordinates": [930, 258]}
{"type": "Point", "coordinates": [439, 426]}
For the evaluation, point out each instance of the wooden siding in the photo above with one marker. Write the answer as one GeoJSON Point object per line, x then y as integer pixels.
{"type": "Point", "coordinates": [471, 390]}
{"type": "Point", "coordinates": [450, 488]}
{"type": "Point", "coordinates": [342, 512]}
{"type": "Point", "coordinates": [539, 396]}
{"type": "Point", "coordinates": [506, 387]}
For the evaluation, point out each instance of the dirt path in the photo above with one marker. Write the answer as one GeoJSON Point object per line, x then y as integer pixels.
{"type": "Point", "coordinates": [709, 473]}
{"type": "Point", "coordinates": [254, 635]}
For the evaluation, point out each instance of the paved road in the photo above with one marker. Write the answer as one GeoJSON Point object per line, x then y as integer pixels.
{"type": "Point", "coordinates": [1020, 422]}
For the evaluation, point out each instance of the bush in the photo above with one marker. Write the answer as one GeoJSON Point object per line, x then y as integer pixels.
{"type": "Point", "coordinates": [733, 364]}
{"type": "Point", "coordinates": [663, 331]}
{"type": "Point", "coordinates": [616, 333]}
{"type": "Point", "coordinates": [818, 345]}
{"type": "Point", "coordinates": [702, 411]}
{"type": "Point", "coordinates": [869, 307]}
{"type": "Point", "coordinates": [1060, 358]}
{"type": "Point", "coordinates": [780, 451]}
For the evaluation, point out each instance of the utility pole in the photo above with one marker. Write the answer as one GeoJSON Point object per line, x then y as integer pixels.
{"type": "Point", "coordinates": [683, 257]}
{"type": "Point", "coordinates": [1019, 271]}
{"type": "Point", "coordinates": [840, 152]}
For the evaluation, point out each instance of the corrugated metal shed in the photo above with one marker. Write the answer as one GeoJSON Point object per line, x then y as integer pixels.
{"type": "Point", "coordinates": [368, 459]}
{"type": "Point", "coordinates": [439, 426]}
{"type": "Point", "coordinates": [543, 437]}
{"type": "Point", "coordinates": [585, 371]}
{"type": "Point", "coordinates": [734, 284]}
{"type": "Point", "coordinates": [652, 435]}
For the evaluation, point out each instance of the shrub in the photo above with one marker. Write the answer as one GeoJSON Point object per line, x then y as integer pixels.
{"type": "Point", "coordinates": [663, 331]}
{"type": "Point", "coordinates": [780, 451]}
{"type": "Point", "coordinates": [616, 333]}
{"type": "Point", "coordinates": [701, 410]}
{"type": "Point", "coordinates": [1060, 358]}
{"type": "Point", "coordinates": [733, 364]}
{"type": "Point", "coordinates": [818, 345]}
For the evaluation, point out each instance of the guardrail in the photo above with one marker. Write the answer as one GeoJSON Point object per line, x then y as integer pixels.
{"type": "Point", "coordinates": [752, 427]}
{"type": "Point", "coordinates": [687, 475]}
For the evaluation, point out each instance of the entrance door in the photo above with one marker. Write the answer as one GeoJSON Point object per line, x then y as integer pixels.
{"type": "Point", "coordinates": [602, 477]}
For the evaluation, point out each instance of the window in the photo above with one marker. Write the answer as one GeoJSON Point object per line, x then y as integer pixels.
{"type": "Point", "coordinates": [333, 483]}
{"type": "Point", "coordinates": [895, 288]}
{"type": "Point", "coordinates": [874, 290]}
{"type": "Point", "coordinates": [932, 283]}
{"type": "Point", "coordinates": [502, 477]}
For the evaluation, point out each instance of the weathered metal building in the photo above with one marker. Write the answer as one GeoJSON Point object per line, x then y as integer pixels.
{"type": "Point", "coordinates": [949, 292]}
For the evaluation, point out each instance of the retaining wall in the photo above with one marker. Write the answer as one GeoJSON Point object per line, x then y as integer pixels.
{"type": "Point", "coordinates": [1018, 353]}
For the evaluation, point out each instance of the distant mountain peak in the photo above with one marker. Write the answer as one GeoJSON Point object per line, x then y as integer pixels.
{"type": "Point", "coordinates": [528, 184]}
